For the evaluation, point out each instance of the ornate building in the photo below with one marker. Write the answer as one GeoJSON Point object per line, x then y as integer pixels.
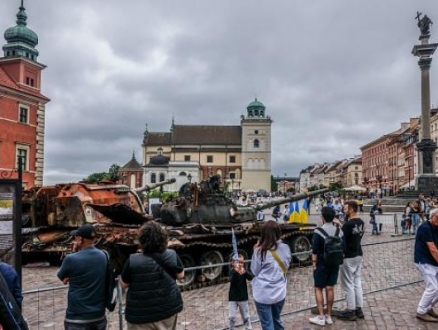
{"type": "Point", "coordinates": [22, 106]}
{"type": "Point", "coordinates": [240, 155]}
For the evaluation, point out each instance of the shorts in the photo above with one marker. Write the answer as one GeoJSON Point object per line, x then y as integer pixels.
{"type": "Point", "coordinates": [325, 276]}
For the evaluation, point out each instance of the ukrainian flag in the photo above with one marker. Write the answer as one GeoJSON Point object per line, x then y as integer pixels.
{"type": "Point", "coordinates": [295, 216]}
{"type": "Point", "coordinates": [304, 212]}
{"type": "Point", "coordinates": [291, 211]}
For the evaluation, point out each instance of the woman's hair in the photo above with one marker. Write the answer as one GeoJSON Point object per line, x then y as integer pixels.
{"type": "Point", "coordinates": [152, 238]}
{"type": "Point", "coordinates": [271, 233]}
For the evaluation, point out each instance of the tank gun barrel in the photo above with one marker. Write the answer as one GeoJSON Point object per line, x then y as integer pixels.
{"type": "Point", "coordinates": [154, 185]}
{"type": "Point", "coordinates": [294, 198]}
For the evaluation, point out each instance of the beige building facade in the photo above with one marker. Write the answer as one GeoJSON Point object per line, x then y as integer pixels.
{"type": "Point", "coordinates": [240, 155]}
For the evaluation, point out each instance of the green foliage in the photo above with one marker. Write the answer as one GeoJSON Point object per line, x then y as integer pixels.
{"type": "Point", "coordinates": [111, 175]}
{"type": "Point", "coordinates": [316, 187]}
{"type": "Point", "coordinates": [162, 195]}
{"type": "Point", "coordinates": [96, 177]}
{"type": "Point", "coordinates": [274, 185]}
{"type": "Point", "coordinates": [335, 186]}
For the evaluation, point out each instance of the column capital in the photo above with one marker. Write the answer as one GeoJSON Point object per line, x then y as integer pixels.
{"type": "Point", "coordinates": [425, 63]}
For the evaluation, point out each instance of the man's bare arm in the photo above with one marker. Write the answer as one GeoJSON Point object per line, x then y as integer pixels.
{"type": "Point", "coordinates": [433, 250]}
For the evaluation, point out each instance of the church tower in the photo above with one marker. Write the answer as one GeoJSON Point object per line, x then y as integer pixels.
{"type": "Point", "coordinates": [22, 115]}
{"type": "Point", "coordinates": [256, 148]}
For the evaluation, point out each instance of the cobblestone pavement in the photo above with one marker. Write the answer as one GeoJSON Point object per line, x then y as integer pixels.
{"type": "Point", "coordinates": [386, 265]}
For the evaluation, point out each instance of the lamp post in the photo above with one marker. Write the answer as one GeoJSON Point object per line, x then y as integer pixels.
{"type": "Point", "coordinates": [189, 177]}
{"type": "Point", "coordinates": [284, 188]}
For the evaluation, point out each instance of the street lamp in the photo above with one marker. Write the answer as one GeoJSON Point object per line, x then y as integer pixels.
{"type": "Point", "coordinates": [189, 177]}
{"type": "Point", "coordinates": [284, 188]}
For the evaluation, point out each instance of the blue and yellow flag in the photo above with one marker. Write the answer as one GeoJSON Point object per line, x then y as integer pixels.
{"type": "Point", "coordinates": [304, 212]}
{"type": "Point", "coordinates": [295, 216]}
{"type": "Point", "coordinates": [291, 211]}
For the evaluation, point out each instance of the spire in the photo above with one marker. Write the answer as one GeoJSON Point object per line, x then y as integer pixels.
{"type": "Point", "coordinates": [21, 40]}
{"type": "Point", "coordinates": [133, 154]}
{"type": "Point", "coordinates": [172, 125]}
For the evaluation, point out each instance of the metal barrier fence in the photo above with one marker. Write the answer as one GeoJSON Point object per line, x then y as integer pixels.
{"type": "Point", "coordinates": [386, 265]}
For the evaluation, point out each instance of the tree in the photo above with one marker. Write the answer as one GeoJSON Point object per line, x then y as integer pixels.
{"type": "Point", "coordinates": [113, 173]}
{"type": "Point", "coordinates": [96, 177]}
{"type": "Point", "coordinates": [274, 184]}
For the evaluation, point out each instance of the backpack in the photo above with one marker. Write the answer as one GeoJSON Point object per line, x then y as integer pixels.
{"type": "Point", "coordinates": [333, 248]}
{"type": "Point", "coordinates": [110, 286]}
{"type": "Point", "coordinates": [10, 313]}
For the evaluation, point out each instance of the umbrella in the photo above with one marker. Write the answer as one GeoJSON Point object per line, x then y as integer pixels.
{"type": "Point", "coordinates": [355, 188]}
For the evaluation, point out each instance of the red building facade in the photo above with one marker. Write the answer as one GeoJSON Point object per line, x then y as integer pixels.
{"type": "Point", "coordinates": [22, 106]}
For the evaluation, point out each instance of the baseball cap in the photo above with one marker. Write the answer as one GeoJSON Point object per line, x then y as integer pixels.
{"type": "Point", "coordinates": [86, 231]}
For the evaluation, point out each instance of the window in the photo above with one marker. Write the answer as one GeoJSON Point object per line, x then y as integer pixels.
{"type": "Point", "coordinates": [153, 178]}
{"type": "Point", "coordinates": [209, 159]}
{"type": "Point", "coordinates": [23, 114]}
{"type": "Point", "coordinates": [22, 153]}
{"type": "Point", "coordinates": [232, 159]}
{"type": "Point", "coordinates": [232, 176]}
{"type": "Point", "coordinates": [256, 143]}
{"type": "Point", "coordinates": [256, 132]}
{"type": "Point", "coordinates": [186, 158]}
{"type": "Point", "coordinates": [162, 177]}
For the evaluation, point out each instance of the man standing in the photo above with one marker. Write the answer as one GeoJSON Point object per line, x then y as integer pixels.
{"type": "Point", "coordinates": [325, 277]}
{"type": "Point", "coordinates": [351, 268]}
{"type": "Point", "coordinates": [426, 261]}
{"type": "Point", "coordinates": [85, 272]}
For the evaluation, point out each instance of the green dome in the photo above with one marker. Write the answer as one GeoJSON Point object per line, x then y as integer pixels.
{"type": "Point", "coordinates": [256, 104]}
{"type": "Point", "coordinates": [21, 33]}
{"type": "Point", "coordinates": [21, 40]}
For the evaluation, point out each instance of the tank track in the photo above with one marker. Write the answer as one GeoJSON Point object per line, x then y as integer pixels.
{"type": "Point", "coordinates": [246, 244]}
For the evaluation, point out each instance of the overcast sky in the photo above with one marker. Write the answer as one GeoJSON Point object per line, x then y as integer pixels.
{"type": "Point", "coordinates": [333, 74]}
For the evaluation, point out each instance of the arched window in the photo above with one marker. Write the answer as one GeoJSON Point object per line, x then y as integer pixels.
{"type": "Point", "coordinates": [162, 177]}
{"type": "Point", "coordinates": [182, 174]}
{"type": "Point", "coordinates": [153, 178]}
{"type": "Point", "coordinates": [256, 143]}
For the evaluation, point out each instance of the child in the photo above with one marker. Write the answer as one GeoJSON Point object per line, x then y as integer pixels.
{"type": "Point", "coordinates": [238, 294]}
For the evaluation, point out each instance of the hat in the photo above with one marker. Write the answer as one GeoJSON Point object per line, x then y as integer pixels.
{"type": "Point", "coordinates": [86, 231]}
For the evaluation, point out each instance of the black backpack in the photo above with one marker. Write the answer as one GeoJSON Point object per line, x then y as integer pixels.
{"type": "Point", "coordinates": [333, 248]}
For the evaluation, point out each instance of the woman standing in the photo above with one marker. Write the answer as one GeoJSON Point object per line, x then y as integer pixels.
{"type": "Point", "coordinates": [153, 300]}
{"type": "Point", "coordinates": [269, 264]}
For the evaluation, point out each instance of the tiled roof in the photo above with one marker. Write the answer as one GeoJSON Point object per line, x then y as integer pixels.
{"type": "Point", "coordinates": [186, 134]}
{"type": "Point", "coordinates": [6, 81]}
{"type": "Point", "coordinates": [158, 138]}
{"type": "Point", "coordinates": [132, 164]}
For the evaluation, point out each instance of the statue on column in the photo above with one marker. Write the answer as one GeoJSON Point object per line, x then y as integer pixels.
{"type": "Point", "coordinates": [424, 23]}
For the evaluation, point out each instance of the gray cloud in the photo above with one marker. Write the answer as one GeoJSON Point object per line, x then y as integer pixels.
{"type": "Point", "coordinates": [334, 75]}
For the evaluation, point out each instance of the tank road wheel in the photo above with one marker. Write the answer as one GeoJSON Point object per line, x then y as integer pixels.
{"type": "Point", "coordinates": [189, 275]}
{"type": "Point", "coordinates": [211, 258]}
{"type": "Point", "coordinates": [300, 244]}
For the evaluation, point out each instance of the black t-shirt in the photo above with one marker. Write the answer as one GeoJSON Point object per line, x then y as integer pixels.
{"type": "Point", "coordinates": [238, 288]}
{"type": "Point", "coordinates": [353, 232]}
{"type": "Point", "coordinates": [425, 233]}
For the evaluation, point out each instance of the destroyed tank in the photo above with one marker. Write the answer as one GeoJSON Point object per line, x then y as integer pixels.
{"type": "Point", "coordinates": [51, 212]}
{"type": "Point", "coordinates": [200, 226]}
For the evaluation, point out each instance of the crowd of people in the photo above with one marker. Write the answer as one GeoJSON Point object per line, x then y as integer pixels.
{"type": "Point", "coordinates": [153, 299]}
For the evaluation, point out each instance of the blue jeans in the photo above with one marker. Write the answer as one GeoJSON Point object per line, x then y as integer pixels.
{"type": "Point", "coordinates": [415, 218]}
{"type": "Point", "coordinates": [269, 315]}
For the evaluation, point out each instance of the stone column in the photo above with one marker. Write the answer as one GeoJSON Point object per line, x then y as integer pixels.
{"type": "Point", "coordinates": [426, 179]}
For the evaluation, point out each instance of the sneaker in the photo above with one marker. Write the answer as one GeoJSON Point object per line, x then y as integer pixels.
{"type": "Point", "coordinates": [318, 320]}
{"type": "Point", "coordinates": [359, 313]}
{"type": "Point", "coordinates": [347, 315]}
{"type": "Point", "coordinates": [426, 317]}
{"type": "Point", "coordinates": [432, 313]}
{"type": "Point", "coordinates": [328, 319]}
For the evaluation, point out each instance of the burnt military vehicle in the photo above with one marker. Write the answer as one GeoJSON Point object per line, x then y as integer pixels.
{"type": "Point", "coordinates": [200, 225]}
